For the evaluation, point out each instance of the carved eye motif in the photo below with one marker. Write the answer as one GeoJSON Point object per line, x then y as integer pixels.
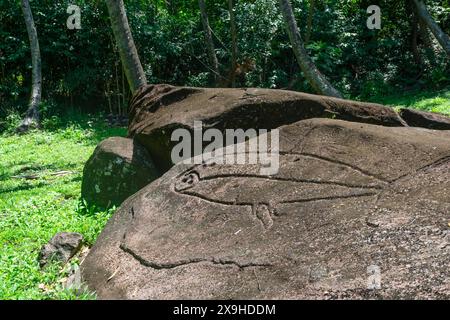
{"type": "Point", "coordinates": [208, 164]}
{"type": "Point", "coordinates": [187, 181]}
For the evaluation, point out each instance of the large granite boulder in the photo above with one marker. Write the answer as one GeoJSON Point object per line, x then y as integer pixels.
{"type": "Point", "coordinates": [118, 168]}
{"type": "Point", "coordinates": [355, 211]}
{"type": "Point", "coordinates": [157, 110]}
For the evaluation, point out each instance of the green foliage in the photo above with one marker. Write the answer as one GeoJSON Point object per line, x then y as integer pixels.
{"type": "Point", "coordinates": [10, 121]}
{"type": "Point", "coordinates": [82, 69]}
{"type": "Point", "coordinates": [36, 202]}
{"type": "Point", "coordinates": [77, 65]}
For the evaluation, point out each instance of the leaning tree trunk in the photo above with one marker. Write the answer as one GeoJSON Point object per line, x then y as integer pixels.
{"type": "Point", "coordinates": [427, 42]}
{"type": "Point", "coordinates": [414, 41]}
{"type": "Point", "coordinates": [442, 38]}
{"type": "Point", "coordinates": [233, 44]}
{"type": "Point", "coordinates": [125, 43]}
{"type": "Point", "coordinates": [214, 63]}
{"type": "Point", "coordinates": [31, 118]}
{"type": "Point", "coordinates": [316, 79]}
{"type": "Point", "coordinates": [414, 25]}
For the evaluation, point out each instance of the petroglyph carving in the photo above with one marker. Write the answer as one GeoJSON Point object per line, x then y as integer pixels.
{"type": "Point", "coordinates": [240, 185]}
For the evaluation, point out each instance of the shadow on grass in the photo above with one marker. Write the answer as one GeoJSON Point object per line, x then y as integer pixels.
{"type": "Point", "coordinates": [30, 170]}
{"type": "Point", "coordinates": [76, 179]}
{"type": "Point", "coordinates": [24, 187]}
{"type": "Point", "coordinates": [96, 124]}
{"type": "Point", "coordinates": [86, 209]}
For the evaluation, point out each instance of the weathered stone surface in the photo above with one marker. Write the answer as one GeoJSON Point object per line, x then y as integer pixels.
{"type": "Point", "coordinates": [417, 118]}
{"type": "Point", "coordinates": [60, 248]}
{"type": "Point", "coordinates": [118, 168]}
{"type": "Point", "coordinates": [349, 198]}
{"type": "Point", "coordinates": [157, 110]}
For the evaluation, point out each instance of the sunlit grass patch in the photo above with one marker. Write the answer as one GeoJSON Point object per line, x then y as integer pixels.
{"type": "Point", "coordinates": [40, 180]}
{"type": "Point", "coordinates": [426, 101]}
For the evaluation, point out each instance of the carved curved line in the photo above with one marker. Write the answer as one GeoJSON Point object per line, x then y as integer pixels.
{"type": "Point", "coordinates": [228, 203]}
{"type": "Point", "coordinates": [361, 195]}
{"type": "Point", "coordinates": [305, 137]}
{"type": "Point", "coordinates": [265, 224]}
{"type": "Point", "coordinates": [341, 184]}
{"type": "Point", "coordinates": [425, 167]}
{"type": "Point", "coordinates": [438, 162]}
{"type": "Point", "coordinates": [362, 171]}
{"type": "Point", "coordinates": [183, 173]}
{"type": "Point", "coordinates": [222, 202]}
{"type": "Point", "coordinates": [316, 157]}
{"type": "Point", "coordinates": [172, 265]}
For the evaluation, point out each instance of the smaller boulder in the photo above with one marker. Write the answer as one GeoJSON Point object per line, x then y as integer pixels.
{"type": "Point", "coordinates": [429, 120]}
{"type": "Point", "coordinates": [118, 168]}
{"type": "Point", "coordinates": [62, 247]}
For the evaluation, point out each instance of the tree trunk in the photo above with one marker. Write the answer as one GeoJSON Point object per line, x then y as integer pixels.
{"type": "Point", "coordinates": [125, 43]}
{"type": "Point", "coordinates": [32, 116]}
{"type": "Point", "coordinates": [414, 45]}
{"type": "Point", "coordinates": [442, 38]}
{"type": "Point", "coordinates": [312, 7]}
{"type": "Point", "coordinates": [414, 33]}
{"type": "Point", "coordinates": [214, 63]}
{"type": "Point", "coordinates": [427, 41]}
{"type": "Point", "coordinates": [233, 44]}
{"type": "Point", "coordinates": [316, 79]}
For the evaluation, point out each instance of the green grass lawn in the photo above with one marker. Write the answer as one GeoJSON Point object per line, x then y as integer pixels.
{"type": "Point", "coordinates": [426, 101]}
{"type": "Point", "coordinates": [33, 210]}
